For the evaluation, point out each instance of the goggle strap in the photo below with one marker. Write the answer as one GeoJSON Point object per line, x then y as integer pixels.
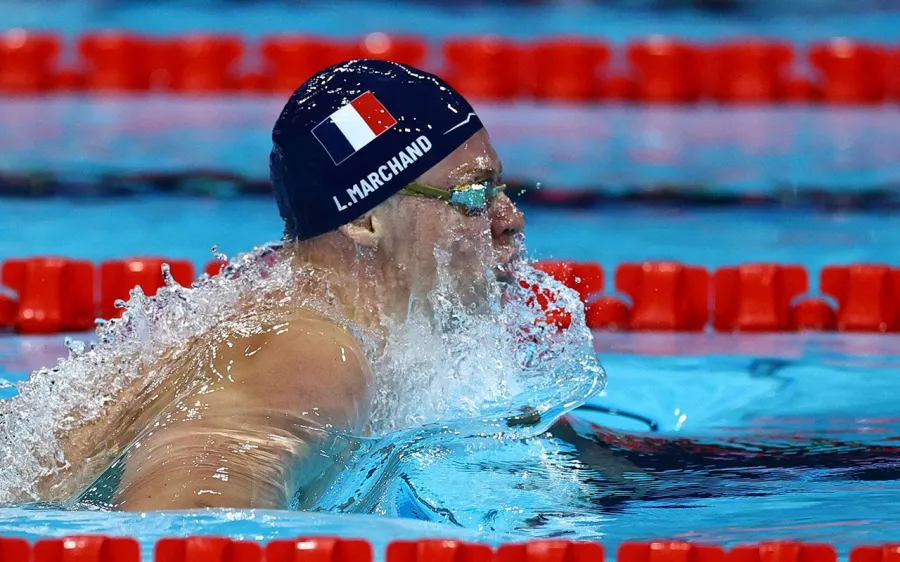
{"type": "Point", "coordinates": [416, 188]}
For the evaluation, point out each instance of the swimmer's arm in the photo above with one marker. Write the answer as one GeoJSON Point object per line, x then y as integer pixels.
{"type": "Point", "coordinates": [253, 438]}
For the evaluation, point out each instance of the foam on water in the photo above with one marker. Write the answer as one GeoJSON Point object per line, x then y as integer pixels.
{"type": "Point", "coordinates": [460, 370]}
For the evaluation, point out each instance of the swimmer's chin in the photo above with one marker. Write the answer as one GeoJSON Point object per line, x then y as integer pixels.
{"type": "Point", "coordinates": [505, 272]}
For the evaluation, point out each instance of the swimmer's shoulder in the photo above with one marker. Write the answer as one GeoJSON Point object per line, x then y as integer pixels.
{"type": "Point", "coordinates": [307, 362]}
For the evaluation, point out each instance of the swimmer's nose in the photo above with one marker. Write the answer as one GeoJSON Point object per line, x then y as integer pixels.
{"type": "Point", "coordinates": [506, 219]}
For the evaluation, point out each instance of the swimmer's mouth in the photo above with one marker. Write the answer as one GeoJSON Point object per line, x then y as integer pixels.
{"type": "Point", "coordinates": [506, 265]}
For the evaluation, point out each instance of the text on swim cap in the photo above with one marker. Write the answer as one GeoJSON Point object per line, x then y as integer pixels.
{"type": "Point", "coordinates": [385, 172]}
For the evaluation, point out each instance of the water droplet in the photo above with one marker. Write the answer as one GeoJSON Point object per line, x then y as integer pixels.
{"type": "Point", "coordinates": [167, 276]}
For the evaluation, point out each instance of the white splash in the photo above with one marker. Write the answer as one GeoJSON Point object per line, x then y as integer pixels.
{"type": "Point", "coordinates": [465, 364]}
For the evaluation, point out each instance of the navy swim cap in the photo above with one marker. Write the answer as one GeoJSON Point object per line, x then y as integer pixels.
{"type": "Point", "coordinates": [355, 134]}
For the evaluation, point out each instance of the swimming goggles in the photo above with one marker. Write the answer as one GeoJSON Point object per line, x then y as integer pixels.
{"type": "Point", "coordinates": [471, 198]}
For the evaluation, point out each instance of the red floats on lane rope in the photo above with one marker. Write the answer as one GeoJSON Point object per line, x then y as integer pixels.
{"type": "Point", "coordinates": [483, 68]}
{"type": "Point", "coordinates": [658, 70]}
{"type": "Point", "coordinates": [584, 277]}
{"type": "Point", "coordinates": [545, 298]}
{"type": "Point", "coordinates": [115, 61]}
{"type": "Point", "coordinates": [665, 70]}
{"type": "Point", "coordinates": [885, 553]}
{"type": "Point", "coordinates": [291, 59]}
{"type": "Point", "coordinates": [867, 296]}
{"type": "Point", "coordinates": [86, 549]}
{"type": "Point", "coordinates": [669, 551]}
{"type": "Point", "coordinates": [54, 294]}
{"type": "Point", "coordinates": [550, 551]}
{"type": "Point", "coordinates": [327, 549]}
{"type": "Point", "coordinates": [568, 69]}
{"type": "Point", "coordinates": [7, 312]}
{"type": "Point", "coordinates": [751, 71]}
{"type": "Point", "coordinates": [437, 550]}
{"type": "Point", "coordinates": [205, 63]}
{"type": "Point", "coordinates": [607, 313]}
{"type": "Point", "coordinates": [118, 278]}
{"type": "Point", "coordinates": [14, 550]}
{"type": "Point", "coordinates": [560, 270]}
{"type": "Point", "coordinates": [321, 549]}
{"type": "Point", "coordinates": [665, 295]}
{"type": "Point", "coordinates": [587, 279]}
{"type": "Point", "coordinates": [207, 549]}
{"type": "Point", "coordinates": [214, 267]}
{"type": "Point", "coordinates": [800, 91]}
{"type": "Point", "coordinates": [851, 72]}
{"type": "Point", "coordinates": [812, 315]}
{"type": "Point", "coordinates": [397, 48]}
{"type": "Point", "coordinates": [27, 61]}
{"type": "Point", "coordinates": [783, 552]}
{"type": "Point", "coordinates": [756, 297]}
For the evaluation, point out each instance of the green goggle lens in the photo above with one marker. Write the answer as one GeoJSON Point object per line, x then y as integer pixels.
{"type": "Point", "coordinates": [471, 198]}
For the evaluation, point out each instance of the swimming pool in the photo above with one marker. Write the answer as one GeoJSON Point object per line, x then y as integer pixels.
{"type": "Point", "coordinates": [761, 437]}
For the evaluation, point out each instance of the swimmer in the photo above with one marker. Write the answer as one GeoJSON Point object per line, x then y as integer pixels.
{"type": "Point", "coordinates": [374, 166]}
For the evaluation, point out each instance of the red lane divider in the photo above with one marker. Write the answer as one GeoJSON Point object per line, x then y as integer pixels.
{"type": "Point", "coordinates": [206, 549]}
{"type": "Point", "coordinates": [99, 548]}
{"type": "Point", "coordinates": [115, 62]}
{"type": "Point", "coordinates": [14, 550]}
{"type": "Point", "coordinates": [751, 71]}
{"type": "Point", "coordinates": [783, 552]}
{"type": "Point", "coordinates": [8, 309]}
{"type": "Point", "coordinates": [485, 68]}
{"type": "Point", "coordinates": [584, 277]}
{"type": "Point", "coordinates": [117, 278]}
{"type": "Point", "coordinates": [205, 63]}
{"type": "Point", "coordinates": [812, 314]}
{"type": "Point", "coordinates": [568, 69]}
{"type": "Point", "coordinates": [885, 553]}
{"type": "Point", "coordinates": [27, 61]}
{"type": "Point", "coordinates": [666, 70]}
{"type": "Point", "coordinates": [757, 297]}
{"type": "Point", "coordinates": [868, 297]}
{"type": "Point", "coordinates": [665, 295]}
{"type": "Point", "coordinates": [86, 549]}
{"type": "Point", "coordinates": [550, 551]}
{"type": "Point", "coordinates": [291, 59]}
{"type": "Point", "coordinates": [669, 551]}
{"type": "Point", "coordinates": [438, 550]}
{"type": "Point", "coordinates": [747, 298]}
{"type": "Point", "coordinates": [319, 549]}
{"type": "Point", "coordinates": [55, 295]}
{"type": "Point", "coordinates": [405, 49]}
{"type": "Point", "coordinates": [851, 72]}
{"type": "Point", "coordinates": [562, 68]}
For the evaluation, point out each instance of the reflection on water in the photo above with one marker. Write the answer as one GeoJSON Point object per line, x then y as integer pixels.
{"type": "Point", "coordinates": [580, 481]}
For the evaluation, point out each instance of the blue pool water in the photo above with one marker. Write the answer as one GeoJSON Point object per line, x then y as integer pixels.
{"type": "Point", "coordinates": [616, 21]}
{"type": "Point", "coordinates": [760, 437]}
{"type": "Point", "coordinates": [184, 227]}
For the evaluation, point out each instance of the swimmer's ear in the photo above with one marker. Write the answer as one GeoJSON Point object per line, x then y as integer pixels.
{"type": "Point", "coordinates": [364, 231]}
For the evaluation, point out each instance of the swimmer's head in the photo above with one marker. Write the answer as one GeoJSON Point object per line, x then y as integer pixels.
{"type": "Point", "coordinates": [387, 154]}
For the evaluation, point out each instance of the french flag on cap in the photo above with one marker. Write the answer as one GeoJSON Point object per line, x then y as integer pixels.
{"type": "Point", "coordinates": [353, 126]}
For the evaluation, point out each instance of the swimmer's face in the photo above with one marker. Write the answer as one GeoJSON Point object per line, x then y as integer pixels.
{"type": "Point", "coordinates": [502, 223]}
{"type": "Point", "coordinates": [419, 229]}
